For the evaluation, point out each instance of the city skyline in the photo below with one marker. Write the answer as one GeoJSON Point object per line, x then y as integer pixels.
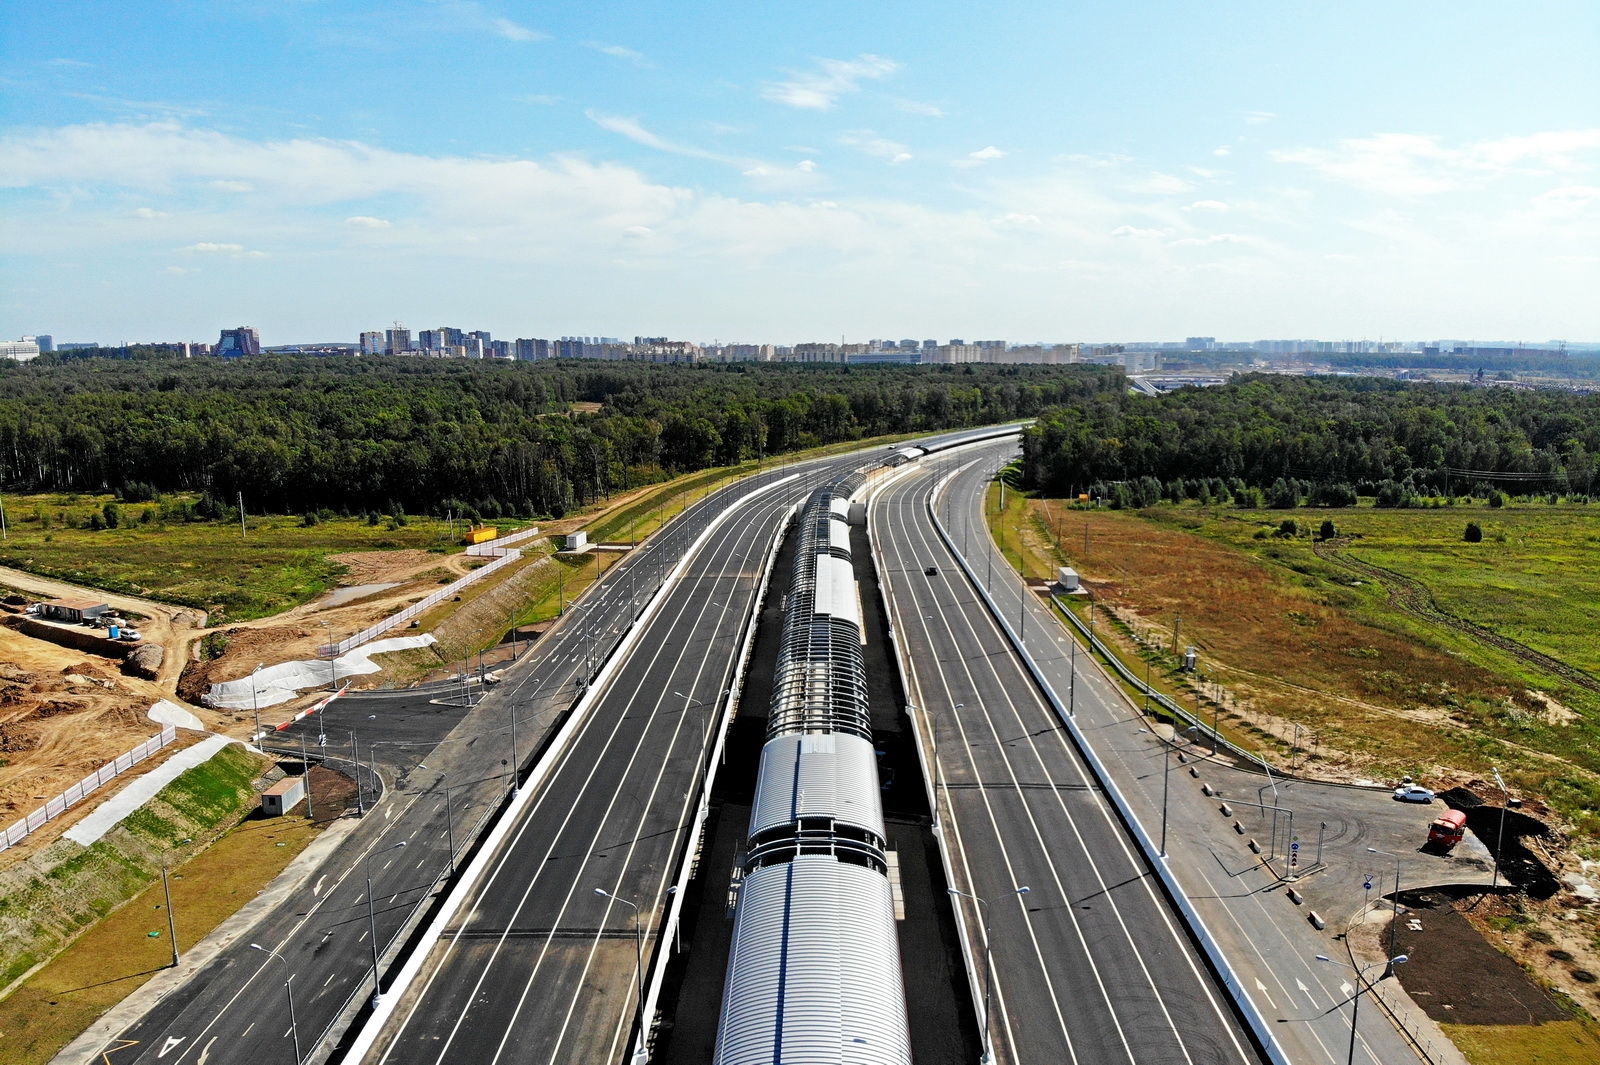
{"type": "Point", "coordinates": [1142, 171]}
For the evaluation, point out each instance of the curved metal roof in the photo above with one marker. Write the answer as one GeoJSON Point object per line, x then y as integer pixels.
{"type": "Point", "coordinates": [832, 775]}
{"type": "Point", "coordinates": [814, 977]}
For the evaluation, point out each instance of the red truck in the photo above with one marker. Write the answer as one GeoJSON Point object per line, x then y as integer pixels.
{"type": "Point", "coordinates": [1447, 830]}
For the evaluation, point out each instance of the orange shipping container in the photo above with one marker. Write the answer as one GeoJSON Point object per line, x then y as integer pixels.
{"type": "Point", "coordinates": [483, 535]}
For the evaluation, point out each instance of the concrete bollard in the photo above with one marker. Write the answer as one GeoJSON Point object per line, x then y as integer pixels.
{"type": "Point", "coordinates": [1237, 827]}
{"type": "Point", "coordinates": [1316, 920]}
{"type": "Point", "coordinates": [1227, 811]}
{"type": "Point", "coordinates": [1296, 898]}
{"type": "Point", "coordinates": [1255, 848]}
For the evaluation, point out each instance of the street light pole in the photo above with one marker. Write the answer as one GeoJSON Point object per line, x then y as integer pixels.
{"type": "Point", "coordinates": [255, 698]}
{"type": "Point", "coordinates": [288, 989]}
{"type": "Point", "coordinates": [372, 923]}
{"type": "Point", "coordinates": [1500, 836]}
{"type": "Point", "coordinates": [1394, 922]}
{"type": "Point", "coordinates": [172, 922]}
{"type": "Point", "coordinates": [638, 945]}
{"type": "Point", "coordinates": [988, 970]}
{"type": "Point", "coordinates": [1362, 987]}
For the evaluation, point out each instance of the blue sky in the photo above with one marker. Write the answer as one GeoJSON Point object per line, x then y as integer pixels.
{"type": "Point", "coordinates": [790, 172]}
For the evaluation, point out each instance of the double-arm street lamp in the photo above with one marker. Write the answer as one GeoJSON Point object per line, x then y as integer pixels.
{"type": "Point", "coordinates": [988, 970]}
{"type": "Point", "coordinates": [638, 946]}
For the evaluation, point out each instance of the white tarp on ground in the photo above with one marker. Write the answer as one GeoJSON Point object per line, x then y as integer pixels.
{"type": "Point", "coordinates": [168, 713]}
{"type": "Point", "coordinates": [109, 814]}
{"type": "Point", "coordinates": [280, 683]}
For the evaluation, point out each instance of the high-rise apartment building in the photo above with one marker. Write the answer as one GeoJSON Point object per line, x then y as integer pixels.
{"type": "Point", "coordinates": [431, 339]}
{"type": "Point", "coordinates": [528, 349]}
{"type": "Point", "coordinates": [397, 341]}
{"type": "Point", "coordinates": [372, 342]}
{"type": "Point", "coordinates": [236, 342]}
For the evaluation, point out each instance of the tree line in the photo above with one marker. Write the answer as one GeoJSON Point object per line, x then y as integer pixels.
{"type": "Point", "coordinates": [1286, 441]}
{"type": "Point", "coordinates": [301, 433]}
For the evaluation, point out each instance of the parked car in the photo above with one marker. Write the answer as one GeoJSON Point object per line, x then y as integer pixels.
{"type": "Point", "coordinates": [131, 635]}
{"type": "Point", "coordinates": [1413, 793]}
{"type": "Point", "coordinates": [931, 571]}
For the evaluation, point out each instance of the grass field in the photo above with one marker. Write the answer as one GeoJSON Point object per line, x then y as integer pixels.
{"type": "Point", "coordinates": [276, 564]}
{"type": "Point", "coordinates": [1299, 647]}
{"type": "Point", "coordinates": [279, 562]}
{"type": "Point", "coordinates": [1554, 1043]}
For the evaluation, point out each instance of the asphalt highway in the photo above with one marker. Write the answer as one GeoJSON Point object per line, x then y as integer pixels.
{"type": "Point", "coordinates": [542, 968]}
{"type": "Point", "coordinates": [428, 793]}
{"type": "Point", "coordinates": [417, 747]}
{"type": "Point", "coordinates": [1092, 964]}
{"type": "Point", "coordinates": [1243, 900]}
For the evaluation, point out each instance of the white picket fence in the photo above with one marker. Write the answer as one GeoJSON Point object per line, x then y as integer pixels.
{"type": "Point", "coordinates": [502, 552]}
{"type": "Point", "coordinates": [75, 794]}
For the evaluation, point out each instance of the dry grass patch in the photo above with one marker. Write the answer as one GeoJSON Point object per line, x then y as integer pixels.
{"type": "Point", "coordinates": [1553, 1043]}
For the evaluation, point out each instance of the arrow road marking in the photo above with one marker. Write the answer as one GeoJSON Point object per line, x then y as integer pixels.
{"type": "Point", "coordinates": [172, 1041]}
{"type": "Point", "coordinates": [1303, 988]}
{"type": "Point", "coordinates": [318, 889]}
{"type": "Point", "coordinates": [205, 1052]}
{"type": "Point", "coordinates": [1263, 989]}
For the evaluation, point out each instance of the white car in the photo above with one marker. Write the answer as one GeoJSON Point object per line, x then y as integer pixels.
{"type": "Point", "coordinates": [1413, 793]}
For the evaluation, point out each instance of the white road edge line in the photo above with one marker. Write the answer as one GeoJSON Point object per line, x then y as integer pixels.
{"type": "Point", "coordinates": [379, 1018]}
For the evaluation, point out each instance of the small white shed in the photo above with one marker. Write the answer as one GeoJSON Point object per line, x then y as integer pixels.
{"type": "Point", "coordinates": [1067, 578]}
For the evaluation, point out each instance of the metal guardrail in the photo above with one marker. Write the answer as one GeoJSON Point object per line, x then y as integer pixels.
{"type": "Point", "coordinates": [76, 793]}
{"type": "Point", "coordinates": [1257, 1023]}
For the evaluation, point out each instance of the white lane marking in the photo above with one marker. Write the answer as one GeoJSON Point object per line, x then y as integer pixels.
{"type": "Point", "coordinates": [1075, 763]}
{"type": "Point", "coordinates": [317, 889]}
{"type": "Point", "coordinates": [531, 816]}
{"type": "Point", "coordinates": [1100, 691]}
{"type": "Point", "coordinates": [172, 1041]}
{"type": "Point", "coordinates": [206, 1052]}
{"type": "Point", "coordinates": [1265, 993]}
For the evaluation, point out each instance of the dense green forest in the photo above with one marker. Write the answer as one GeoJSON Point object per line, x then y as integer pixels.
{"type": "Point", "coordinates": [297, 433]}
{"type": "Point", "coordinates": [1322, 440]}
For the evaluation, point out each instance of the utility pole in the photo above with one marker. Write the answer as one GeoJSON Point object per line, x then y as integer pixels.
{"type": "Point", "coordinates": [305, 762]}
{"type": "Point", "coordinates": [4, 533]}
{"type": "Point", "coordinates": [241, 516]}
{"type": "Point", "coordinates": [1177, 627]}
{"type": "Point", "coordinates": [172, 922]}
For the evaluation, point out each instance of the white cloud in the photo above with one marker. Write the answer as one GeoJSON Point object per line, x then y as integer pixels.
{"type": "Point", "coordinates": [1160, 185]}
{"type": "Point", "coordinates": [1220, 151]}
{"type": "Point", "coordinates": [232, 251]}
{"type": "Point", "coordinates": [1257, 118]}
{"type": "Point", "coordinates": [631, 129]}
{"type": "Point", "coordinates": [618, 51]}
{"type": "Point", "coordinates": [1207, 205]}
{"type": "Point", "coordinates": [869, 143]}
{"type": "Point", "coordinates": [149, 212]}
{"type": "Point", "coordinates": [917, 108]}
{"type": "Point", "coordinates": [366, 221]}
{"type": "Point", "coordinates": [1412, 165]}
{"type": "Point", "coordinates": [990, 152]}
{"type": "Point", "coordinates": [537, 99]}
{"type": "Point", "coordinates": [513, 32]}
{"type": "Point", "coordinates": [69, 63]}
{"type": "Point", "coordinates": [817, 90]}
{"type": "Point", "coordinates": [806, 165]}
{"type": "Point", "coordinates": [233, 186]}
{"type": "Point", "coordinates": [1063, 254]}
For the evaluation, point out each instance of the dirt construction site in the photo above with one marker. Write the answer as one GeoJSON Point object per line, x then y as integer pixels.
{"type": "Point", "coordinates": [65, 711]}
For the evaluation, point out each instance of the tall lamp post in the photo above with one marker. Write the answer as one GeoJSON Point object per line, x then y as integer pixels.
{"type": "Point", "coordinates": [638, 946]}
{"type": "Point", "coordinates": [1394, 921]}
{"type": "Point", "coordinates": [255, 698]}
{"type": "Point", "coordinates": [288, 989]}
{"type": "Point", "coordinates": [372, 922]}
{"type": "Point", "coordinates": [988, 970]}
{"type": "Point", "coordinates": [1500, 836]}
{"type": "Point", "coordinates": [1362, 987]}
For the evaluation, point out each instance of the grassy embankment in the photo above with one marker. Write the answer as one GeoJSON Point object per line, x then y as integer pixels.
{"type": "Point", "coordinates": [1299, 646]}
{"type": "Point", "coordinates": [113, 889]}
{"type": "Point", "coordinates": [276, 564]}
{"type": "Point", "coordinates": [1289, 638]}
{"type": "Point", "coordinates": [279, 562]}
